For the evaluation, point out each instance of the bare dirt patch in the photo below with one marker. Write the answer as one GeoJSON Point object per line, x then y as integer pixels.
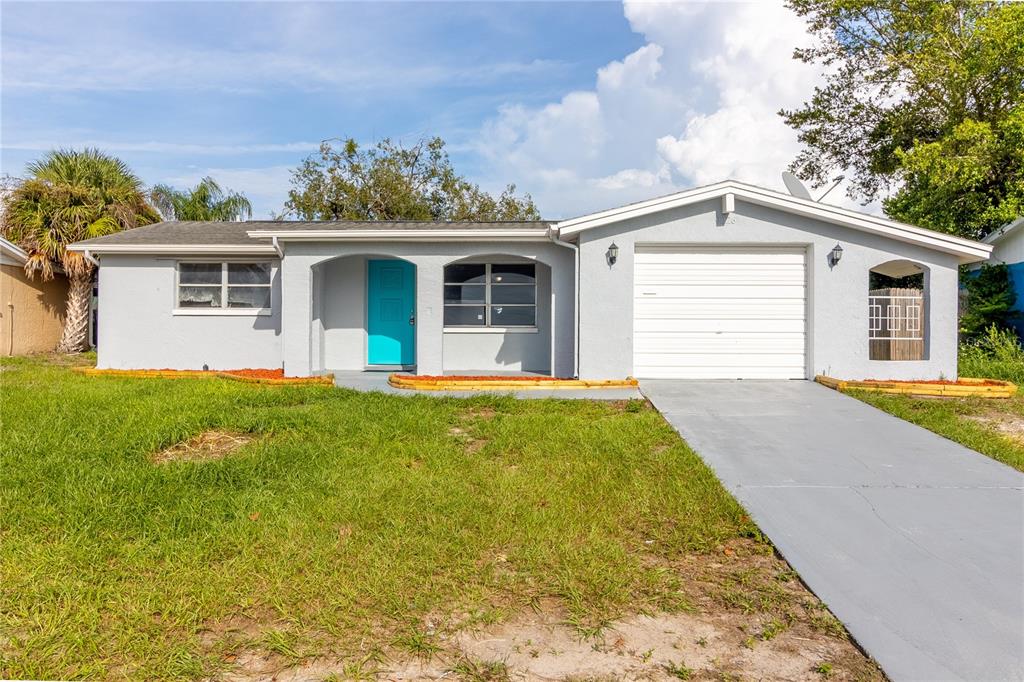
{"type": "Point", "coordinates": [480, 413]}
{"type": "Point", "coordinates": [67, 359]}
{"type": "Point", "coordinates": [471, 442]}
{"type": "Point", "coordinates": [207, 446]}
{"type": "Point", "coordinates": [751, 618]}
{"type": "Point", "coordinates": [1009, 425]}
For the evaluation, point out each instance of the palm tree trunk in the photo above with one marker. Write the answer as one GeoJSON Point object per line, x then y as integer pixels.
{"type": "Point", "coordinates": [75, 337]}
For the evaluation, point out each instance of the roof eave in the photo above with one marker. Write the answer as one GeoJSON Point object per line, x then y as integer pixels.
{"type": "Point", "coordinates": [997, 236]}
{"type": "Point", "coordinates": [966, 250]}
{"type": "Point", "coordinates": [400, 235]}
{"type": "Point", "coordinates": [174, 249]}
{"type": "Point", "coordinates": [14, 251]}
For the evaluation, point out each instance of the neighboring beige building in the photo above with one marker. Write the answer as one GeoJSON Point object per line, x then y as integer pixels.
{"type": "Point", "coordinates": [31, 310]}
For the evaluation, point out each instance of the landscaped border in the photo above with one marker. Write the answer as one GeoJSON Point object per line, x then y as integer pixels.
{"type": "Point", "coordinates": [322, 380]}
{"type": "Point", "coordinates": [962, 388]}
{"type": "Point", "coordinates": [518, 383]}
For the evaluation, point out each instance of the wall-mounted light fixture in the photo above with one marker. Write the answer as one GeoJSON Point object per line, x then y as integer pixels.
{"type": "Point", "coordinates": [835, 255]}
{"type": "Point", "coordinates": [612, 254]}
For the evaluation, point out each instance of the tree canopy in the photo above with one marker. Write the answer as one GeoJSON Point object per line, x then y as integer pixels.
{"type": "Point", "coordinates": [390, 181]}
{"type": "Point", "coordinates": [205, 201]}
{"type": "Point", "coordinates": [922, 105]}
{"type": "Point", "coordinates": [70, 196]}
{"type": "Point", "coordinates": [991, 301]}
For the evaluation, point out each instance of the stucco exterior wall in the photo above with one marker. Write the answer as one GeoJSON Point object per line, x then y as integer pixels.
{"type": "Point", "coordinates": [31, 311]}
{"type": "Point", "coordinates": [339, 293]}
{"type": "Point", "coordinates": [837, 336]}
{"type": "Point", "coordinates": [342, 296]}
{"type": "Point", "coordinates": [138, 328]}
{"type": "Point", "coordinates": [1010, 249]}
{"type": "Point", "coordinates": [514, 350]}
{"type": "Point", "coordinates": [317, 334]}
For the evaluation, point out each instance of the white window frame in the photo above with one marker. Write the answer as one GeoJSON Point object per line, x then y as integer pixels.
{"type": "Point", "coordinates": [223, 311]}
{"type": "Point", "coordinates": [487, 326]}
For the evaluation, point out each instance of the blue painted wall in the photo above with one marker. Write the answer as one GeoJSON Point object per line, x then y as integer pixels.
{"type": "Point", "coordinates": [1017, 281]}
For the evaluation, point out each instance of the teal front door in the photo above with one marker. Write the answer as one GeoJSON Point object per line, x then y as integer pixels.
{"type": "Point", "coordinates": [391, 312]}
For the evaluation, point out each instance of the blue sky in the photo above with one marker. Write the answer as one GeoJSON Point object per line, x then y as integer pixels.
{"type": "Point", "coordinates": [582, 104]}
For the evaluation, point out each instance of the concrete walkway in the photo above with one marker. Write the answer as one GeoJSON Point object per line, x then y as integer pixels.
{"type": "Point", "coordinates": [378, 381]}
{"type": "Point", "coordinates": [914, 542]}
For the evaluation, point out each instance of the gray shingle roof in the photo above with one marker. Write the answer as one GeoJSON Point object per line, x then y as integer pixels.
{"type": "Point", "coordinates": [203, 232]}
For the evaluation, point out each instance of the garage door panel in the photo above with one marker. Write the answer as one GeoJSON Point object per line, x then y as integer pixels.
{"type": "Point", "coordinates": [711, 312]}
{"type": "Point", "coordinates": [741, 310]}
{"type": "Point", "coordinates": [734, 360]}
{"type": "Point", "coordinates": [724, 343]}
{"type": "Point", "coordinates": [647, 254]}
{"type": "Point", "coordinates": [716, 372]}
{"type": "Point", "coordinates": [725, 275]}
{"type": "Point", "coordinates": [721, 292]}
{"type": "Point", "coordinates": [644, 327]}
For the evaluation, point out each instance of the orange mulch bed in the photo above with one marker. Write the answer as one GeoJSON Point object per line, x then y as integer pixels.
{"type": "Point", "coordinates": [248, 374]}
{"type": "Point", "coordinates": [245, 372]}
{"type": "Point", "coordinates": [257, 373]}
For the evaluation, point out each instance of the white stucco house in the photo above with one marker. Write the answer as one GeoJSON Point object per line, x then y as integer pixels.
{"type": "Point", "coordinates": [723, 281]}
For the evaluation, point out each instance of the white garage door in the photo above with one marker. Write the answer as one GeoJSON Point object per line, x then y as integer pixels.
{"type": "Point", "coordinates": [719, 313]}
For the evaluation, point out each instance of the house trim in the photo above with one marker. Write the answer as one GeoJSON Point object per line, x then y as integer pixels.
{"type": "Point", "coordinates": [967, 250]}
{"type": "Point", "coordinates": [176, 249]}
{"type": "Point", "coordinates": [997, 235]}
{"type": "Point", "coordinates": [399, 235]}
{"type": "Point", "coordinates": [11, 253]}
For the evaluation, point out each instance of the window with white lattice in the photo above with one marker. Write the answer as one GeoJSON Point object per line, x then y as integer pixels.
{"type": "Point", "coordinates": [896, 312]}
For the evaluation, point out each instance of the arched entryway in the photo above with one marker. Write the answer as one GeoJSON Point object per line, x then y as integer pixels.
{"type": "Point", "coordinates": [497, 315]}
{"type": "Point", "coordinates": [364, 313]}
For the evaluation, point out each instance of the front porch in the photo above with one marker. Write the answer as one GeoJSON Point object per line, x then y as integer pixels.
{"type": "Point", "coordinates": [370, 381]}
{"type": "Point", "coordinates": [481, 309]}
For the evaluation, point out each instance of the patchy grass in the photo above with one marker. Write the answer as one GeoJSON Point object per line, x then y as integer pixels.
{"type": "Point", "coordinates": [354, 528]}
{"type": "Point", "coordinates": [997, 354]}
{"type": "Point", "coordinates": [992, 427]}
{"type": "Point", "coordinates": [213, 444]}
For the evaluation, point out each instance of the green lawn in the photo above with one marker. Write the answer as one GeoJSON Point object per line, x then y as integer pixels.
{"type": "Point", "coordinates": [347, 521]}
{"type": "Point", "coordinates": [992, 427]}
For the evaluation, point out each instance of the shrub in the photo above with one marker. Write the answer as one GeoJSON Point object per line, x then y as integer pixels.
{"type": "Point", "coordinates": [997, 354]}
{"type": "Point", "coordinates": [990, 301]}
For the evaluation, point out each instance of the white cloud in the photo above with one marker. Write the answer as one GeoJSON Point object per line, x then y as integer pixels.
{"type": "Point", "coordinates": [696, 104]}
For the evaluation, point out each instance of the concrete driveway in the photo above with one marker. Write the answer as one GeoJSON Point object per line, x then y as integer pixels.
{"type": "Point", "coordinates": [914, 542]}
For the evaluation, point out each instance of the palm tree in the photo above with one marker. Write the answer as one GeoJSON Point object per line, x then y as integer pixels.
{"type": "Point", "coordinates": [69, 196]}
{"type": "Point", "coordinates": [205, 201]}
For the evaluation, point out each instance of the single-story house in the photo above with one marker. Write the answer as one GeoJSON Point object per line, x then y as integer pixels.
{"type": "Point", "coordinates": [1008, 247]}
{"type": "Point", "coordinates": [724, 281]}
{"type": "Point", "coordinates": [31, 310]}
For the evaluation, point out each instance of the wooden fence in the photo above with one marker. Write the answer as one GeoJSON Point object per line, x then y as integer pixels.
{"type": "Point", "coordinates": [896, 324]}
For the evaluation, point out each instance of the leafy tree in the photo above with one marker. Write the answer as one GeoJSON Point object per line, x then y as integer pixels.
{"type": "Point", "coordinates": [69, 196]}
{"type": "Point", "coordinates": [392, 182]}
{"type": "Point", "coordinates": [205, 201]}
{"type": "Point", "coordinates": [990, 301]}
{"type": "Point", "coordinates": [923, 97]}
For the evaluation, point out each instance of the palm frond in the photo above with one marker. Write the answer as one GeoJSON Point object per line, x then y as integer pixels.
{"type": "Point", "coordinates": [73, 195]}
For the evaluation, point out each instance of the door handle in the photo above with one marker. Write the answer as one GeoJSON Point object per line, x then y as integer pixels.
{"type": "Point", "coordinates": [412, 319]}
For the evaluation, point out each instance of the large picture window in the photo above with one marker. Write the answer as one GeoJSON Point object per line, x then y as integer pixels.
{"type": "Point", "coordinates": [490, 295]}
{"type": "Point", "coordinates": [239, 286]}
